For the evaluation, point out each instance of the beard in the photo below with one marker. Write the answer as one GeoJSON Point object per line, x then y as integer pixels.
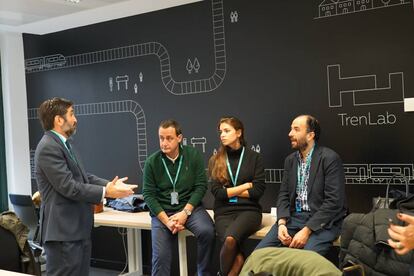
{"type": "Point", "coordinates": [70, 130]}
{"type": "Point", "coordinates": [300, 144]}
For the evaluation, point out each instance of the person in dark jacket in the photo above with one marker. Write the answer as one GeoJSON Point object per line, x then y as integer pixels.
{"type": "Point", "coordinates": [237, 183]}
{"type": "Point", "coordinates": [311, 203]}
{"type": "Point", "coordinates": [68, 192]}
{"type": "Point", "coordinates": [364, 242]}
{"type": "Point", "coordinates": [402, 237]}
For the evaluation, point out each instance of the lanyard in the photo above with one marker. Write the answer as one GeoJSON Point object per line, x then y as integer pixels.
{"type": "Point", "coordinates": [304, 173]}
{"type": "Point", "coordinates": [168, 172]}
{"type": "Point", "coordinates": [234, 179]}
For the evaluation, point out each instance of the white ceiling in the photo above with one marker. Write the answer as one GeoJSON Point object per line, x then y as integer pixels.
{"type": "Point", "coordinates": [47, 16]}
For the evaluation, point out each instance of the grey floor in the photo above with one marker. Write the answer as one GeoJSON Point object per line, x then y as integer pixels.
{"type": "Point", "coordinates": [103, 272]}
{"type": "Point", "coordinates": [94, 271]}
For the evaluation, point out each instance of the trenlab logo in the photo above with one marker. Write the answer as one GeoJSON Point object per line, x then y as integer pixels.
{"type": "Point", "coordinates": [364, 90]}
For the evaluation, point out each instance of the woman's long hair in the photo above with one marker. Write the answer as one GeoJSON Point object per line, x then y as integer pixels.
{"type": "Point", "coordinates": [217, 167]}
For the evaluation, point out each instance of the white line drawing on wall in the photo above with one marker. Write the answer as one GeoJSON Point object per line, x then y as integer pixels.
{"type": "Point", "coordinates": [329, 8]}
{"type": "Point", "coordinates": [185, 141]}
{"type": "Point", "coordinates": [114, 107]}
{"type": "Point", "coordinates": [362, 174]}
{"type": "Point", "coordinates": [234, 17]}
{"type": "Point", "coordinates": [273, 176]}
{"type": "Point", "coordinates": [32, 164]}
{"type": "Point", "coordinates": [37, 64]}
{"type": "Point", "coordinates": [192, 65]}
{"type": "Point", "coordinates": [377, 173]}
{"type": "Point", "coordinates": [196, 65]}
{"type": "Point", "coordinates": [111, 84]}
{"type": "Point", "coordinates": [256, 148]}
{"type": "Point", "coordinates": [189, 66]}
{"type": "Point", "coordinates": [45, 63]}
{"type": "Point", "coordinates": [199, 141]}
{"type": "Point", "coordinates": [364, 88]}
{"type": "Point", "coordinates": [122, 79]}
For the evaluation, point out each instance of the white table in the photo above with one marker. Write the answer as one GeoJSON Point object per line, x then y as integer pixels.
{"type": "Point", "coordinates": [11, 273]}
{"type": "Point", "coordinates": [135, 222]}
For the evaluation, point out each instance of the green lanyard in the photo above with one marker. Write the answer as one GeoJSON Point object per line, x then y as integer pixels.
{"type": "Point", "coordinates": [234, 179]}
{"type": "Point", "coordinates": [168, 172]}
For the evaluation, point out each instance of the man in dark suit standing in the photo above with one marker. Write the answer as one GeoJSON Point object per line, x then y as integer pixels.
{"type": "Point", "coordinates": [68, 192]}
{"type": "Point", "coordinates": [311, 203]}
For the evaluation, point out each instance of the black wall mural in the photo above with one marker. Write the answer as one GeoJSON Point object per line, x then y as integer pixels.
{"type": "Point", "coordinates": [349, 63]}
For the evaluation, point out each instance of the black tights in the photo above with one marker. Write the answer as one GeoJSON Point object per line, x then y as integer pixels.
{"type": "Point", "coordinates": [228, 254]}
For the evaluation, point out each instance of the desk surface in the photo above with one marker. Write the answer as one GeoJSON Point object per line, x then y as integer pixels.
{"type": "Point", "coordinates": [142, 220]}
{"type": "Point", "coordinates": [10, 273]}
{"type": "Point", "coordinates": [113, 218]}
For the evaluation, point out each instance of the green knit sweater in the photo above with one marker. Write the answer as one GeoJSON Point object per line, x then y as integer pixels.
{"type": "Point", "coordinates": [191, 183]}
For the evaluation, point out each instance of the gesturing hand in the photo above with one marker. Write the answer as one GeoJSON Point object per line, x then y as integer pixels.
{"type": "Point", "coordinates": [117, 188]}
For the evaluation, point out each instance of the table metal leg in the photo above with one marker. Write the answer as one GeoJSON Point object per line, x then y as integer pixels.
{"type": "Point", "coordinates": [134, 250]}
{"type": "Point", "coordinates": [182, 252]}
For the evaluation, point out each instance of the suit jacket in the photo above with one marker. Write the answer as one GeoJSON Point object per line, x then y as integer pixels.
{"type": "Point", "coordinates": [67, 192]}
{"type": "Point", "coordinates": [326, 189]}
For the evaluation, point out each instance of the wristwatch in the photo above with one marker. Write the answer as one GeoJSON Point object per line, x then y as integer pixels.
{"type": "Point", "coordinates": [187, 212]}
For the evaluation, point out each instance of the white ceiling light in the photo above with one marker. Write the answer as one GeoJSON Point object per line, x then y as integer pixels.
{"type": "Point", "coordinates": [74, 1]}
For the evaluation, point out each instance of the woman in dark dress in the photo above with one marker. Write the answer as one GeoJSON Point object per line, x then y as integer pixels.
{"type": "Point", "coordinates": [237, 183]}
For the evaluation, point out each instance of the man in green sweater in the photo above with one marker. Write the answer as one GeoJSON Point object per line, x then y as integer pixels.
{"type": "Point", "coordinates": [174, 184]}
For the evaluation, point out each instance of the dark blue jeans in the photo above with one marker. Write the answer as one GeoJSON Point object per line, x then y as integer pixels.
{"type": "Point", "coordinates": [200, 224]}
{"type": "Point", "coordinates": [319, 241]}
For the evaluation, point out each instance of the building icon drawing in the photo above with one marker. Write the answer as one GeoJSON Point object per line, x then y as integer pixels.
{"type": "Point", "coordinates": [328, 8]}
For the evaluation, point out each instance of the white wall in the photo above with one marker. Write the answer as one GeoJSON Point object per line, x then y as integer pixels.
{"type": "Point", "coordinates": [15, 113]}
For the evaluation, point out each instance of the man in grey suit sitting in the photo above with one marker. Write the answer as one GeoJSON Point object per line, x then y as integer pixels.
{"type": "Point", "coordinates": [68, 192]}
{"type": "Point", "coordinates": [311, 203]}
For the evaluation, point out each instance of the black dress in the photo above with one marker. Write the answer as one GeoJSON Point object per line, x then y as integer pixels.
{"type": "Point", "coordinates": [243, 218]}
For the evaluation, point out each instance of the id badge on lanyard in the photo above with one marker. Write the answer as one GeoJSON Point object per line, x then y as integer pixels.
{"type": "Point", "coordinates": [174, 198]}
{"type": "Point", "coordinates": [174, 194]}
{"type": "Point", "coordinates": [233, 199]}
{"type": "Point", "coordinates": [298, 205]}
